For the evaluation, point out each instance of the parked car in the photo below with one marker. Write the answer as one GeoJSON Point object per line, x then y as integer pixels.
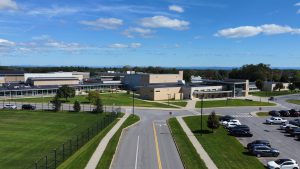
{"type": "Point", "coordinates": [284, 126]}
{"type": "Point", "coordinates": [226, 118]}
{"type": "Point", "coordinates": [265, 151]}
{"type": "Point", "coordinates": [240, 133]}
{"type": "Point", "coordinates": [284, 113]}
{"type": "Point", "coordinates": [274, 113]}
{"type": "Point", "coordinates": [295, 132]}
{"type": "Point", "coordinates": [290, 129]}
{"type": "Point", "coordinates": [295, 122]}
{"type": "Point", "coordinates": [276, 120]}
{"type": "Point", "coordinates": [225, 122]}
{"type": "Point", "coordinates": [232, 123]}
{"type": "Point", "coordinates": [298, 136]}
{"type": "Point", "coordinates": [294, 113]}
{"type": "Point", "coordinates": [242, 127]}
{"type": "Point", "coordinates": [263, 142]}
{"type": "Point", "coordinates": [283, 164]}
{"type": "Point", "coordinates": [272, 98]}
{"type": "Point", "coordinates": [28, 107]}
{"type": "Point", "coordinates": [9, 106]}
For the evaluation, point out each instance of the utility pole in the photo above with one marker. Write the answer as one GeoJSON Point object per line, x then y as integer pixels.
{"type": "Point", "coordinates": [201, 115]}
{"type": "Point", "coordinates": [133, 101]}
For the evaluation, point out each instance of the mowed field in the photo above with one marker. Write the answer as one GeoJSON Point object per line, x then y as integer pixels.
{"type": "Point", "coordinates": [117, 99]}
{"type": "Point", "coordinates": [231, 103]}
{"type": "Point", "coordinates": [26, 136]}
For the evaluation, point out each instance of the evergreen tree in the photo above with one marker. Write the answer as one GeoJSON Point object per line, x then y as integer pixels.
{"type": "Point", "coordinates": [99, 106]}
{"type": "Point", "coordinates": [213, 121]}
{"type": "Point", "coordinates": [77, 106]}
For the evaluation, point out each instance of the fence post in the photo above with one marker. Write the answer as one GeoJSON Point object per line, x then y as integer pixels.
{"type": "Point", "coordinates": [46, 162]}
{"type": "Point", "coordinates": [70, 146]}
{"type": "Point", "coordinates": [90, 107]}
{"type": "Point", "coordinates": [77, 142]}
{"type": "Point", "coordinates": [63, 152]}
{"type": "Point", "coordinates": [55, 158]}
{"type": "Point", "coordinates": [36, 165]}
{"type": "Point", "coordinates": [48, 106]}
{"type": "Point", "coordinates": [88, 133]}
{"type": "Point", "coordinates": [69, 107]}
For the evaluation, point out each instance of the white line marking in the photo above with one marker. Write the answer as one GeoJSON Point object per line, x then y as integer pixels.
{"type": "Point", "coordinates": [137, 152]}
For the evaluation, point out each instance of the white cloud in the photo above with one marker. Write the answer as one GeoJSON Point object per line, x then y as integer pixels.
{"type": "Point", "coordinates": [54, 11]}
{"type": "Point", "coordinates": [298, 12]}
{"type": "Point", "coordinates": [104, 23]}
{"type": "Point", "coordinates": [123, 46]}
{"type": "Point", "coordinates": [41, 37]}
{"type": "Point", "coordinates": [136, 31]}
{"type": "Point", "coordinates": [8, 4]}
{"type": "Point", "coordinates": [176, 8]}
{"type": "Point", "coordinates": [164, 22]}
{"type": "Point", "coordinates": [135, 45]}
{"type": "Point", "coordinates": [6, 43]}
{"type": "Point", "coordinates": [297, 4]}
{"type": "Point", "coordinates": [249, 31]}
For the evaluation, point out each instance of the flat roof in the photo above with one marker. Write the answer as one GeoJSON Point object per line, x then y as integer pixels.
{"type": "Point", "coordinates": [52, 78]}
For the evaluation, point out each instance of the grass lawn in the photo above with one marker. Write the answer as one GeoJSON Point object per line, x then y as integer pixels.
{"type": "Point", "coordinates": [262, 114]}
{"type": "Point", "coordinates": [273, 93]}
{"type": "Point", "coordinates": [188, 154]}
{"type": "Point", "coordinates": [83, 155]}
{"type": "Point", "coordinates": [118, 99]}
{"type": "Point", "coordinates": [109, 152]}
{"type": "Point", "coordinates": [178, 103]}
{"type": "Point", "coordinates": [28, 135]}
{"type": "Point", "coordinates": [231, 103]}
{"type": "Point", "coordinates": [226, 151]}
{"type": "Point", "coordinates": [294, 101]}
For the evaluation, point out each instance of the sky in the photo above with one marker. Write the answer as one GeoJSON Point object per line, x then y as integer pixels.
{"type": "Point", "coordinates": [172, 33]}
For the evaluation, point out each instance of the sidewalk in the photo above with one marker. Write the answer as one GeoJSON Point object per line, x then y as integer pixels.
{"type": "Point", "coordinates": [93, 162]}
{"type": "Point", "coordinates": [200, 150]}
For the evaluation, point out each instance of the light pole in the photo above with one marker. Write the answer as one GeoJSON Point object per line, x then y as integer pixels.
{"type": "Point", "coordinates": [133, 101]}
{"type": "Point", "coordinates": [168, 99]}
{"type": "Point", "coordinates": [201, 115]}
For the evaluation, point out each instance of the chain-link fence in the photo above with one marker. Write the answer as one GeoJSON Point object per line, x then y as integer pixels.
{"type": "Point", "coordinates": [58, 155]}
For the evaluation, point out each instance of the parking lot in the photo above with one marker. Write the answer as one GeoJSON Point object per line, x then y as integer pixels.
{"type": "Point", "coordinates": [288, 146]}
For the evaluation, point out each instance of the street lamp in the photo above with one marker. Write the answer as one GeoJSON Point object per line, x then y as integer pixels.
{"type": "Point", "coordinates": [201, 115]}
{"type": "Point", "coordinates": [133, 101]}
{"type": "Point", "coordinates": [168, 99]}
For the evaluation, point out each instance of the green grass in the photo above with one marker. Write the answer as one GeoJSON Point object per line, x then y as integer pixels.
{"type": "Point", "coordinates": [83, 155]}
{"type": "Point", "coordinates": [118, 99]}
{"type": "Point", "coordinates": [110, 150]}
{"type": "Point", "coordinates": [226, 151]}
{"type": "Point", "coordinates": [273, 93]}
{"type": "Point", "coordinates": [231, 103]}
{"type": "Point", "coordinates": [262, 114]}
{"type": "Point", "coordinates": [294, 101]}
{"type": "Point", "coordinates": [178, 103]}
{"type": "Point", "coordinates": [26, 136]}
{"type": "Point", "coordinates": [188, 154]}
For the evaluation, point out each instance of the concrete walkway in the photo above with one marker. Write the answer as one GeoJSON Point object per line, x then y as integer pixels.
{"type": "Point", "coordinates": [200, 150]}
{"type": "Point", "coordinates": [93, 162]}
{"type": "Point", "coordinates": [191, 104]}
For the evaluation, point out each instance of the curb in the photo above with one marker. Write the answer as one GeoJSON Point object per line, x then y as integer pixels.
{"type": "Point", "coordinates": [118, 145]}
{"type": "Point", "coordinates": [176, 145]}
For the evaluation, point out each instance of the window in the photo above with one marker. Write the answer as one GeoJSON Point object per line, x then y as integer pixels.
{"type": "Point", "coordinates": [157, 91]}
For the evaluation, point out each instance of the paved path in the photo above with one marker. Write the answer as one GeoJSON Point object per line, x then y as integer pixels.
{"type": "Point", "coordinates": [92, 164]}
{"type": "Point", "coordinates": [191, 104]}
{"type": "Point", "coordinates": [200, 150]}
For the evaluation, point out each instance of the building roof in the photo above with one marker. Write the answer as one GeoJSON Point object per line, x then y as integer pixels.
{"type": "Point", "coordinates": [164, 85]}
{"type": "Point", "coordinates": [11, 72]}
{"type": "Point", "coordinates": [52, 78]}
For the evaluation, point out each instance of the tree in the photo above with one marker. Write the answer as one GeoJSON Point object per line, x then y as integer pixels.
{"type": "Point", "coordinates": [99, 106]}
{"type": "Point", "coordinates": [278, 86]}
{"type": "Point", "coordinates": [292, 87]}
{"type": "Point", "coordinates": [93, 96]}
{"type": "Point", "coordinates": [259, 84]}
{"type": "Point", "coordinates": [65, 92]}
{"type": "Point", "coordinates": [56, 104]}
{"type": "Point", "coordinates": [77, 106]}
{"type": "Point", "coordinates": [213, 121]}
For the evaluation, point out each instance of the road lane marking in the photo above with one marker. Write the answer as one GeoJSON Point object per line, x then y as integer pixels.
{"type": "Point", "coordinates": [137, 152]}
{"type": "Point", "coordinates": [157, 148]}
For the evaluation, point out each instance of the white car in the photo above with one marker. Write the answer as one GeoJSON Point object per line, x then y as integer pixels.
{"type": "Point", "coordinates": [284, 126]}
{"type": "Point", "coordinates": [232, 123]}
{"type": "Point", "coordinates": [9, 106]}
{"type": "Point", "coordinates": [283, 164]}
{"type": "Point", "coordinates": [224, 123]}
{"type": "Point", "coordinates": [276, 120]}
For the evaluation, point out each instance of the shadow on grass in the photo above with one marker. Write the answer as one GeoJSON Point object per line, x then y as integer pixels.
{"type": "Point", "coordinates": [197, 132]}
{"type": "Point", "coordinates": [247, 153]}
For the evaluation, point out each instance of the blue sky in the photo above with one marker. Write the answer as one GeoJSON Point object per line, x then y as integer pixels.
{"type": "Point", "coordinates": [150, 32]}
